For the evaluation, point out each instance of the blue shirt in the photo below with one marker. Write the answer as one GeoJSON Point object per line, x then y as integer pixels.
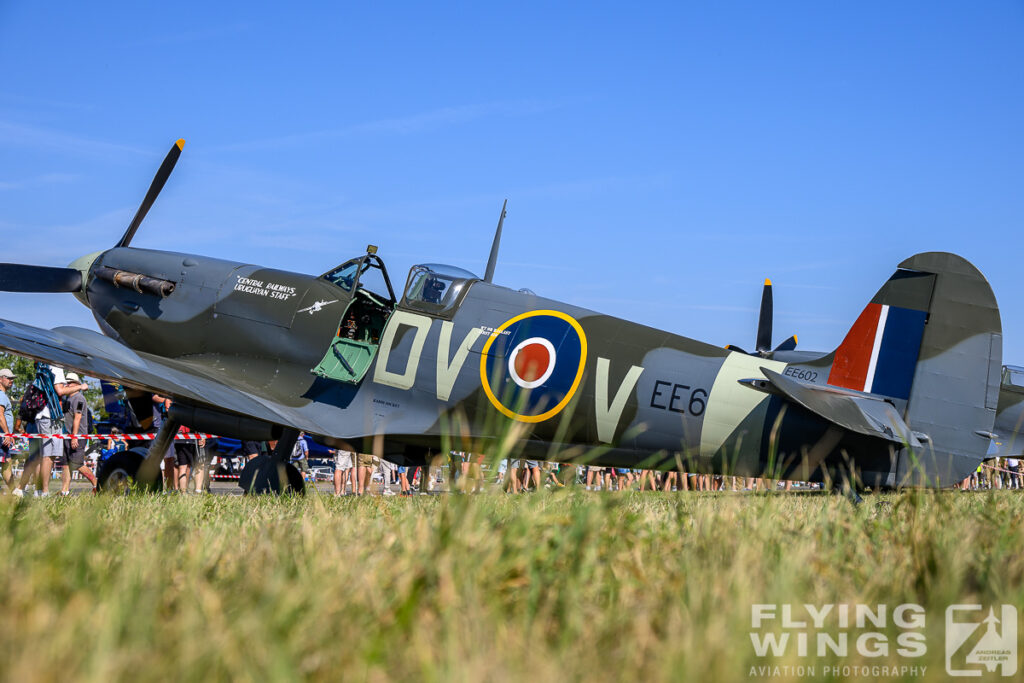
{"type": "Point", "coordinates": [301, 450]}
{"type": "Point", "coordinates": [5, 405]}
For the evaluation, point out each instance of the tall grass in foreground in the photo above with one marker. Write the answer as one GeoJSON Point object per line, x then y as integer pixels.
{"type": "Point", "coordinates": [560, 586]}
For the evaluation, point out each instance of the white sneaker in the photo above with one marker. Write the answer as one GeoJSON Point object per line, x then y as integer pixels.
{"type": "Point", "coordinates": [42, 494]}
{"type": "Point", "coordinates": [65, 493]}
{"type": "Point", "coordinates": [18, 493]}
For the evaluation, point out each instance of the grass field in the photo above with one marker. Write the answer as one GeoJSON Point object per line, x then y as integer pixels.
{"type": "Point", "coordinates": [559, 586]}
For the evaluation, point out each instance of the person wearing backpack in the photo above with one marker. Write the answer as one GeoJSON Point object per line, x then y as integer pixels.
{"type": "Point", "coordinates": [76, 421]}
{"type": "Point", "coordinates": [53, 385]}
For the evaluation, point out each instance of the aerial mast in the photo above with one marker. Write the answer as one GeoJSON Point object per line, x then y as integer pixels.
{"type": "Point", "coordinates": [493, 260]}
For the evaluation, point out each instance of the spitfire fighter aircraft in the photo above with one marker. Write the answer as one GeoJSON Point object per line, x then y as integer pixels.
{"type": "Point", "coordinates": [908, 398]}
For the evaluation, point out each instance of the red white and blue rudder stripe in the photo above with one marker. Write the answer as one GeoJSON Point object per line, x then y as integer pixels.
{"type": "Point", "coordinates": [880, 352]}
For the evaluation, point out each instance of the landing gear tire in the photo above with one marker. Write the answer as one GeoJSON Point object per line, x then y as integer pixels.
{"type": "Point", "coordinates": [295, 481]}
{"type": "Point", "coordinates": [849, 492]}
{"type": "Point", "coordinates": [118, 473]}
{"type": "Point", "coordinates": [263, 475]}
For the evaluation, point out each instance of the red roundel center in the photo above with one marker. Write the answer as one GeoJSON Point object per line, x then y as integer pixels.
{"type": "Point", "coordinates": [532, 362]}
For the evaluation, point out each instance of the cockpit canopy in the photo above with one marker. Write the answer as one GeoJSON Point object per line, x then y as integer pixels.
{"type": "Point", "coordinates": [345, 275]}
{"type": "Point", "coordinates": [436, 288]}
{"type": "Point", "coordinates": [364, 274]}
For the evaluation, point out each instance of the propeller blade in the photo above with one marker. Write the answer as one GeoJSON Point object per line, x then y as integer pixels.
{"type": "Point", "coordinates": [764, 323]}
{"type": "Point", "coordinates": [154, 190]}
{"type": "Point", "coordinates": [787, 345]}
{"type": "Point", "coordinates": [17, 277]}
{"type": "Point", "coordinates": [733, 347]}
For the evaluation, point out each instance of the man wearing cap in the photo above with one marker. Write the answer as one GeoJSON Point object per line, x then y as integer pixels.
{"type": "Point", "coordinates": [6, 424]}
{"type": "Point", "coordinates": [76, 421]}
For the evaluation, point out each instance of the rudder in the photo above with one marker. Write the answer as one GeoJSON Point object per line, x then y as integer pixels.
{"type": "Point", "coordinates": [930, 342]}
{"type": "Point", "coordinates": [955, 389]}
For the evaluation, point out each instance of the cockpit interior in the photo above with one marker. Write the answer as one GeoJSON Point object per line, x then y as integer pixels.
{"type": "Point", "coordinates": [433, 289]}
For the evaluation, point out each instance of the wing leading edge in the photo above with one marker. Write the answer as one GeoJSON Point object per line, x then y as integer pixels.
{"type": "Point", "coordinates": [103, 357]}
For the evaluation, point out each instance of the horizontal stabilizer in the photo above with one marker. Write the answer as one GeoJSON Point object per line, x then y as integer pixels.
{"type": "Point", "coordinates": [856, 412]}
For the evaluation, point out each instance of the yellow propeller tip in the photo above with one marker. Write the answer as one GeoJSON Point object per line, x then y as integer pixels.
{"type": "Point", "coordinates": [180, 143]}
{"type": "Point", "coordinates": [767, 282]}
{"type": "Point", "coordinates": [796, 340]}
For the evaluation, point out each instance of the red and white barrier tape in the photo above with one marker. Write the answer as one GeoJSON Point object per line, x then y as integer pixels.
{"type": "Point", "coordinates": [126, 437]}
{"type": "Point", "coordinates": [999, 469]}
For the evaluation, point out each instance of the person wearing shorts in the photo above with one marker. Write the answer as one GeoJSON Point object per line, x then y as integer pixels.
{"type": "Point", "coordinates": [403, 481]}
{"type": "Point", "coordinates": [41, 460]}
{"type": "Point", "coordinates": [343, 462]}
{"type": "Point", "coordinates": [531, 477]}
{"type": "Point", "coordinates": [76, 421]}
{"type": "Point", "coordinates": [201, 467]}
{"type": "Point", "coordinates": [300, 456]}
{"type": "Point", "coordinates": [512, 474]}
{"type": "Point", "coordinates": [364, 470]}
{"type": "Point", "coordinates": [250, 449]}
{"type": "Point", "coordinates": [472, 472]}
{"type": "Point", "coordinates": [161, 408]}
{"type": "Point", "coordinates": [552, 469]}
{"type": "Point", "coordinates": [6, 425]}
{"type": "Point", "coordinates": [184, 460]}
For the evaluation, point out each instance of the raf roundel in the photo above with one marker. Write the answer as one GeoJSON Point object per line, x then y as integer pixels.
{"type": "Point", "coordinates": [532, 364]}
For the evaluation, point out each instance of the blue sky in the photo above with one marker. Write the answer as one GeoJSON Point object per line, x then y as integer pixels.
{"type": "Point", "coordinates": [660, 160]}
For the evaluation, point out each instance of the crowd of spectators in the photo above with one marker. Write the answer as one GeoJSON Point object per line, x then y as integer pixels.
{"type": "Point", "coordinates": [1000, 473]}
{"type": "Point", "coordinates": [54, 404]}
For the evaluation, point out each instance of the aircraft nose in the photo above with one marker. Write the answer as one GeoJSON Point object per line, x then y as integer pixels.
{"type": "Point", "coordinates": [83, 264]}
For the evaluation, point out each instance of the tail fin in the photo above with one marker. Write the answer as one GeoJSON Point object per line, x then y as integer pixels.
{"type": "Point", "coordinates": [930, 342]}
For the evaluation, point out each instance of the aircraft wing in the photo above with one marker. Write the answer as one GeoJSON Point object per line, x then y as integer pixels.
{"type": "Point", "coordinates": [99, 356]}
{"type": "Point", "coordinates": [856, 412]}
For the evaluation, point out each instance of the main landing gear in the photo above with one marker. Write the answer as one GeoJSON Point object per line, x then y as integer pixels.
{"type": "Point", "coordinates": [273, 473]}
{"type": "Point", "coordinates": [847, 490]}
{"type": "Point", "coordinates": [139, 468]}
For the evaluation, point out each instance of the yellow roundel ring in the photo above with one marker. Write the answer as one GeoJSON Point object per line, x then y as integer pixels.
{"type": "Point", "coordinates": [572, 389]}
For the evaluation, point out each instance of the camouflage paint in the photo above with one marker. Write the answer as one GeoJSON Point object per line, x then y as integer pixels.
{"type": "Point", "coordinates": [243, 339]}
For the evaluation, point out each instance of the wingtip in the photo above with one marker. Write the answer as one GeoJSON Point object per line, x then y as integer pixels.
{"type": "Point", "coordinates": [180, 143]}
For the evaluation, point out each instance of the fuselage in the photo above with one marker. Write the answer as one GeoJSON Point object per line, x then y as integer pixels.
{"type": "Point", "coordinates": [466, 376]}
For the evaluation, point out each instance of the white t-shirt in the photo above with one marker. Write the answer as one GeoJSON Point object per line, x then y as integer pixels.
{"type": "Point", "coordinates": [58, 378]}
